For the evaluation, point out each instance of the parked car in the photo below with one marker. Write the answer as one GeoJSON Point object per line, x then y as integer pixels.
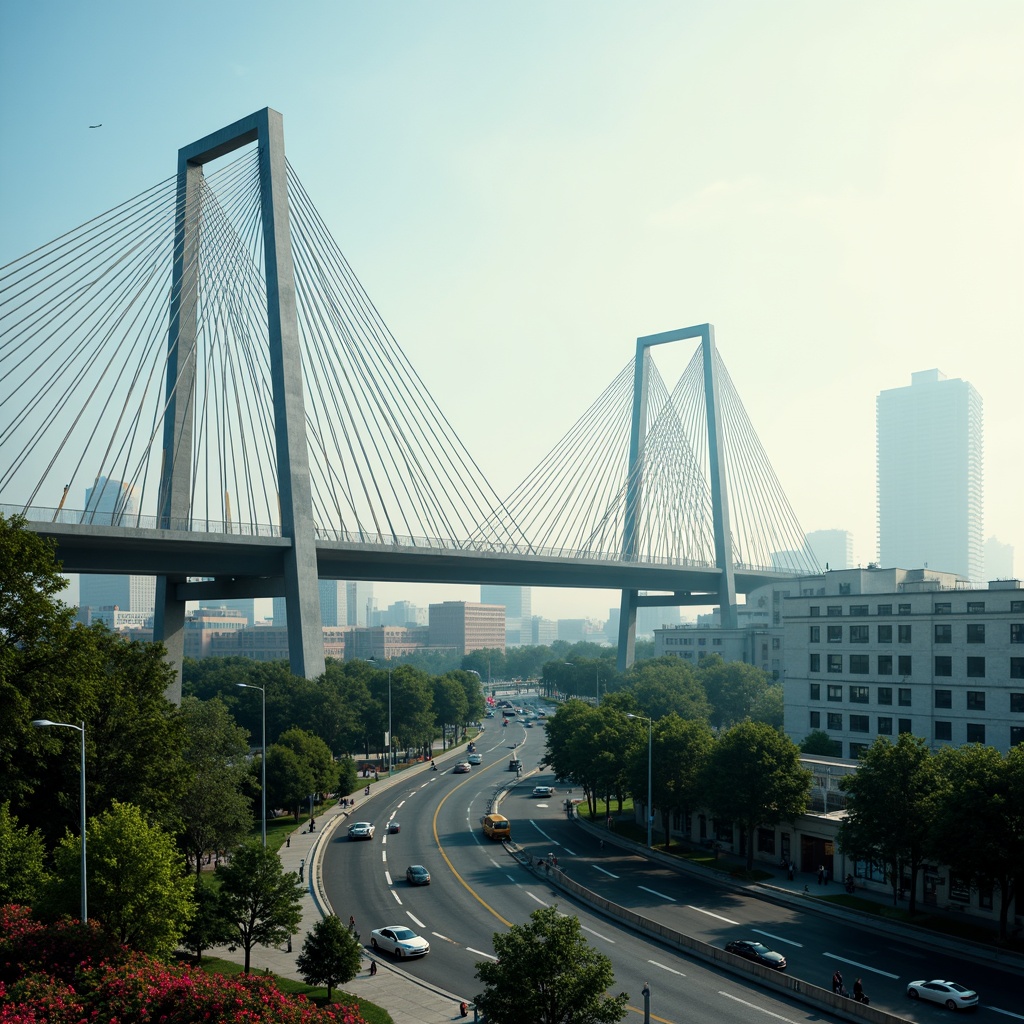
{"type": "Point", "coordinates": [543, 791]}
{"type": "Point", "coordinates": [397, 939]}
{"type": "Point", "coordinates": [475, 759]}
{"type": "Point", "coordinates": [461, 768]}
{"type": "Point", "coordinates": [417, 874]}
{"type": "Point", "coordinates": [951, 995]}
{"type": "Point", "coordinates": [361, 830]}
{"type": "Point", "coordinates": [758, 952]}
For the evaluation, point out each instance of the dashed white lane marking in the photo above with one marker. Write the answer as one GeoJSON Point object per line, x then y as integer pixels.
{"type": "Point", "coordinates": [384, 855]}
{"type": "Point", "coordinates": [553, 842]}
{"type": "Point", "coordinates": [718, 917]}
{"type": "Point", "coordinates": [399, 807]}
{"type": "Point", "coordinates": [857, 963]}
{"type": "Point", "coordinates": [665, 967]}
{"type": "Point", "coordinates": [608, 873]}
{"type": "Point", "coordinates": [398, 899]}
{"type": "Point", "coordinates": [1006, 1013]}
{"type": "Point", "coordinates": [537, 898]}
{"type": "Point", "coordinates": [571, 853]}
{"type": "Point", "coordinates": [480, 952]}
{"type": "Point", "coordinates": [760, 1009]}
{"type": "Point", "coordinates": [778, 938]}
{"type": "Point", "coordinates": [415, 920]}
{"type": "Point", "coordinates": [598, 934]}
{"type": "Point", "coordinates": [654, 892]}
{"type": "Point", "coordinates": [387, 875]}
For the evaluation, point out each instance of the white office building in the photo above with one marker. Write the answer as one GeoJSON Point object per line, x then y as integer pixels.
{"type": "Point", "coordinates": [930, 484]}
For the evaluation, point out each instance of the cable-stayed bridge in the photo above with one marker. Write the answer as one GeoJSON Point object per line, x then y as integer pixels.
{"type": "Point", "coordinates": [195, 386]}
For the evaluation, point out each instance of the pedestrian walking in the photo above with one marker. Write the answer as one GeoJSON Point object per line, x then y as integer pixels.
{"type": "Point", "coordinates": [837, 983]}
{"type": "Point", "coordinates": [821, 874]}
{"type": "Point", "coordinates": [373, 968]}
{"type": "Point", "coordinates": [791, 871]}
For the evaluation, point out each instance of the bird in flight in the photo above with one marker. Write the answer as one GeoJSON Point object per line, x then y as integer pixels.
{"type": "Point", "coordinates": [100, 125]}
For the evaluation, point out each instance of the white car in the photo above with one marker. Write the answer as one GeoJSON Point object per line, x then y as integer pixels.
{"type": "Point", "coordinates": [361, 830]}
{"type": "Point", "coordinates": [399, 940]}
{"type": "Point", "coordinates": [475, 759]}
{"type": "Point", "coordinates": [948, 993]}
{"type": "Point", "coordinates": [543, 791]}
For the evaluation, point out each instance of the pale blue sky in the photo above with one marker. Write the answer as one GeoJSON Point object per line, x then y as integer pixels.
{"type": "Point", "coordinates": [524, 188]}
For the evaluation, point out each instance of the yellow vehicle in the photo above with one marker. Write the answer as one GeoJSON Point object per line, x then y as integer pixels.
{"type": "Point", "coordinates": [497, 826]}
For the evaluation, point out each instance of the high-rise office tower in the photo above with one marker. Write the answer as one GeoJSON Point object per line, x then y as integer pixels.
{"type": "Point", "coordinates": [332, 605]}
{"type": "Point", "coordinates": [832, 548]}
{"type": "Point", "coordinates": [107, 503]}
{"type": "Point", "coordinates": [930, 485]}
{"type": "Point", "coordinates": [358, 603]}
{"type": "Point", "coordinates": [518, 603]}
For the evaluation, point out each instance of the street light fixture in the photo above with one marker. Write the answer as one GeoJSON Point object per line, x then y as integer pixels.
{"type": "Point", "coordinates": [650, 747]}
{"type": "Point", "coordinates": [43, 723]}
{"type": "Point", "coordinates": [263, 755]}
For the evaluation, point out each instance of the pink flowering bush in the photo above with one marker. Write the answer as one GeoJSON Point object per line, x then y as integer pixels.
{"type": "Point", "coordinates": [90, 981]}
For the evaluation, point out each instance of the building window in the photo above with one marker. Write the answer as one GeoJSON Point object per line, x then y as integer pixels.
{"type": "Point", "coordinates": [815, 635]}
{"type": "Point", "coordinates": [943, 698]}
{"type": "Point", "coordinates": [859, 665]}
{"type": "Point", "coordinates": [815, 691]}
{"type": "Point", "coordinates": [904, 726]}
{"type": "Point", "coordinates": [835, 722]}
{"type": "Point", "coordinates": [815, 719]}
{"type": "Point", "coordinates": [835, 663]}
{"type": "Point", "coordinates": [1017, 668]}
{"type": "Point", "coordinates": [835, 634]}
{"type": "Point", "coordinates": [904, 634]}
{"type": "Point", "coordinates": [766, 840]}
{"type": "Point", "coordinates": [1017, 606]}
{"type": "Point", "coordinates": [814, 610]}
{"type": "Point", "coordinates": [1016, 735]}
{"type": "Point", "coordinates": [859, 695]}
{"type": "Point", "coordinates": [943, 665]}
{"type": "Point", "coordinates": [860, 723]}
{"type": "Point", "coordinates": [776, 643]}
{"type": "Point", "coordinates": [858, 609]}
{"type": "Point", "coordinates": [885, 634]}
{"type": "Point", "coordinates": [975, 700]}
{"type": "Point", "coordinates": [943, 607]}
{"type": "Point", "coordinates": [904, 696]}
{"type": "Point", "coordinates": [885, 695]}
{"type": "Point", "coordinates": [815, 663]}
{"type": "Point", "coordinates": [885, 664]}
{"type": "Point", "coordinates": [976, 607]}
{"type": "Point", "coordinates": [904, 609]}
{"type": "Point", "coordinates": [857, 750]}
{"type": "Point", "coordinates": [1017, 632]}
{"type": "Point", "coordinates": [885, 609]}
{"type": "Point", "coordinates": [905, 665]}
{"type": "Point", "coordinates": [975, 668]}
{"type": "Point", "coordinates": [858, 634]}
{"type": "Point", "coordinates": [834, 609]}
{"type": "Point", "coordinates": [943, 730]}
{"type": "Point", "coordinates": [975, 632]}
{"type": "Point", "coordinates": [975, 732]}
{"type": "Point", "coordinates": [1017, 703]}
{"type": "Point", "coordinates": [943, 633]}
{"type": "Point", "coordinates": [885, 727]}
{"type": "Point", "coordinates": [835, 692]}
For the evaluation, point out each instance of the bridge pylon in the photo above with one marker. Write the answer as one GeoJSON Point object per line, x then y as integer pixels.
{"type": "Point", "coordinates": [300, 577]}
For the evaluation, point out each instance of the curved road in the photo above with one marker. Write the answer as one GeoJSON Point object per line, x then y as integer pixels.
{"type": "Point", "coordinates": [478, 889]}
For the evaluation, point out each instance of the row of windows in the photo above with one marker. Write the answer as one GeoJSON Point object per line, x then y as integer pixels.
{"type": "Point", "coordinates": [688, 641]}
{"type": "Point", "coordinates": [974, 731]}
{"type": "Point", "coordinates": [974, 700]}
{"type": "Point", "coordinates": [943, 633]}
{"type": "Point", "coordinates": [973, 666]}
{"type": "Point", "coordinates": [938, 608]}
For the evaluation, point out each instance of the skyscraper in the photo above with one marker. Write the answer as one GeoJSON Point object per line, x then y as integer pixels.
{"type": "Point", "coordinates": [832, 548]}
{"type": "Point", "coordinates": [518, 611]}
{"type": "Point", "coordinates": [930, 486]}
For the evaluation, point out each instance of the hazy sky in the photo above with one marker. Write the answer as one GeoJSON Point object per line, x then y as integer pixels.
{"type": "Point", "coordinates": [524, 188]}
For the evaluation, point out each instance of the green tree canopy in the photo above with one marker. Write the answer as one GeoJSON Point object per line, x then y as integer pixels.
{"type": "Point", "coordinates": [138, 889]}
{"type": "Point", "coordinates": [315, 755]}
{"type": "Point", "coordinates": [817, 741]}
{"type": "Point", "coordinates": [889, 808]}
{"type": "Point", "coordinates": [734, 689]}
{"type": "Point", "coordinates": [547, 973]}
{"type": "Point", "coordinates": [330, 956]}
{"type": "Point", "coordinates": [260, 901]}
{"type": "Point", "coordinates": [668, 685]}
{"type": "Point", "coordinates": [754, 777]}
{"type": "Point", "coordinates": [208, 927]}
{"type": "Point", "coordinates": [450, 704]}
{"type": "Point", "coordinates": [22, 872]}
{"type": "Point", "coordinates": [290, 781]}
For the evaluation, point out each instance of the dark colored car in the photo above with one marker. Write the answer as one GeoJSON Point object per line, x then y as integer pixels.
{"type": "Point", "coordinates": [758, 952]}
{"type": "Point", "coordinates": [417, 874]}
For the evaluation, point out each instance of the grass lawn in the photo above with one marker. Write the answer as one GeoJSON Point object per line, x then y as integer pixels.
{"type": "Point", "coordinates": [370, 1012]}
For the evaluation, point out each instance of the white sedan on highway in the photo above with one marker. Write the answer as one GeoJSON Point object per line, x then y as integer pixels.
{"type": "Point", "coordinates": [361, 830]}
{"type": "Point", "coordinates": [947, 993]}
{"type": "Point", "coordinates": [399, 940]}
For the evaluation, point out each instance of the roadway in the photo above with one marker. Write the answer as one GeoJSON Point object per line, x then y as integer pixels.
{"type": "Point", "coordinates": [477, 888]}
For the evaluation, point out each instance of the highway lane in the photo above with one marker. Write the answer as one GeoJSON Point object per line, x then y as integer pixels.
{"type": "Point", "coordinates": [478, 889]}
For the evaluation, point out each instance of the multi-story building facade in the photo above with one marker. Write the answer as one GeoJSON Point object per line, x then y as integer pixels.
{"type": "Point", "coordinates": [465, 627]}
{"type": "Point", "coordinates": [759, 646]}
{"type": "Point", "coordinates": [518, 604]}
{"type": "Point", "coordinates": [930, 475]}
{"type": "Point", "coordinates": [887, 651]}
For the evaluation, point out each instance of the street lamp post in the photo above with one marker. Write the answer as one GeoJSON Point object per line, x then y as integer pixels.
{"type": "Point", "coordinates": [650, 747]}
{"type": "Point", "coordinates": [390, 744]}
{"type": "Point", "coordinates": [42, 723]}
{"type": "Point", "coordinates": [263, 755]}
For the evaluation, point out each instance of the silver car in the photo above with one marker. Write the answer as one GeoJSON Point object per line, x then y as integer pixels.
{"type": "Point", "coordinates": [399, 940]}
{"type": "Point", "coordinates": [361, 830]}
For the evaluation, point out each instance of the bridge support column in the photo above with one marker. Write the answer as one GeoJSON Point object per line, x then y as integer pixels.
{"type": "Point", "coordinates": [169, 626]}
{"type": "Point", "coordinates": [627, 629]}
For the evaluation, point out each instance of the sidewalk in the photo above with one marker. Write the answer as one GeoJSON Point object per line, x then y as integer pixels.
{"type": "Point", "coordinates": [404, 997]}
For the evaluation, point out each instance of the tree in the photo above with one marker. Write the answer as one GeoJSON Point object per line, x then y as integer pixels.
{"type": "Point", "coordinates": [567, 978]}
{"type": "Point", "coordinates": [450, 704]}
{"type": "Point", "coordinates": [754, 777]}
{"type": "Point", "coordinates": [665, 685]}
{"type": "Point", "coordinates": [978, 824]}
{"type": "Point", "coordinates": [315, 755]}
{"type": "Point", "coordinates": [330, 956]}
{"type": "Point", "coordinates": [138, 888]}
{"type": "Point", "coordinates": [21, 860]}
{"type": "Point", "coordinates": [817, 741]}
{"type": "Point", "coordinates": [208, 927]}
{"type": "Point", "coordinates": [214, 811]}
{"type": "Point", "coordinates": [734, 689]}
{"type": "Point", "coordinates": [289, 779]}
{"type": "Point", "coordinates": [889, 808]}
{"type": "Point", "coordinates": [260, 901]}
